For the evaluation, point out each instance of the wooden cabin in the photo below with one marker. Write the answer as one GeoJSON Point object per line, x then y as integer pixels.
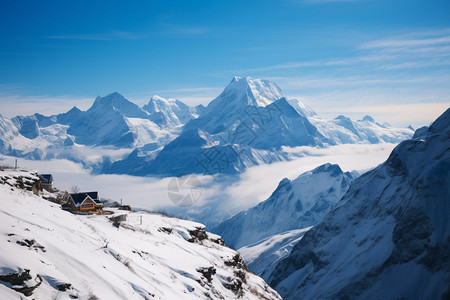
{"type": "Point", "coordinates": [46, 182]}
{"type": "Point", "coordinates": [85, 201]}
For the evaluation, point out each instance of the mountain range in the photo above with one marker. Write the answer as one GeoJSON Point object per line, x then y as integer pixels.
{"type": "Point", "coordinates": [249, 123]}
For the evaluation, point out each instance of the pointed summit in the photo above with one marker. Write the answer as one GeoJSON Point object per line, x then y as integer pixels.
{"type": "Point", "coordinates": [368, 118]}
{"type": "Point", "coordinates": [169, 111]}
{"type": "Point", "coordinates": [258, 92]}
{"type": "Point", "coordinates": [118, 103]}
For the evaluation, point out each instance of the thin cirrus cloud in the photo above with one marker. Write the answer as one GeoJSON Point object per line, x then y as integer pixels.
{"type": "Point", "coordinates": [407, 52]}
{"type": "Point", "coordinates": [445, 40]}
{"type": "Point", "coordinates": [113, 35]}
{"type": "Point", "coordinates": [167, 30]}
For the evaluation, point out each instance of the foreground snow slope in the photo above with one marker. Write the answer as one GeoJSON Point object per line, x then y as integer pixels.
{"type": "Point", "coordinates": [164, 258]}
{"type": "Point", "coordinates": [389, 236]}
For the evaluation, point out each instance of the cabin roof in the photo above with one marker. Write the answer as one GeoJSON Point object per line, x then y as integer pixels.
{"type": "Point", "coordinates": [79, 198]}
{"type": "Point", "coordinates": [47, 177]}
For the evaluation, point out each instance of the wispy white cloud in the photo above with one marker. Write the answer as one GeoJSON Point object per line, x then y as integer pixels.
{"type": "Point", "coordinates": [391, 43]}
{"type": "Point", "coordinates": [228, 196]}
{"type": "Point", "coordinates": [109, 36]}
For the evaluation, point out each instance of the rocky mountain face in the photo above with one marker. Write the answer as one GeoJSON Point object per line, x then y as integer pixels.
{"type": "Point", "coordinates": [389, 236]}
{"type": "Point", "coordinates": [295, 204]}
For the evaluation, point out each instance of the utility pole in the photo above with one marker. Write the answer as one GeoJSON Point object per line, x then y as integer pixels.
{"type": "Point", "coordinates": [15, 167]}
{"type": "Point", "coordinates": [141, 219]}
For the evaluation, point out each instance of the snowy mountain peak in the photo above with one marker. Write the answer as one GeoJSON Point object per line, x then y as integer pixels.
{"type": "Point", "coordinates": [295, 204]}
{"type": "Point", "coordinates": [258, 92]}
{"type": "Point", "coordinates": [368, 118]}
{"type": "Point", "coordinates": [169, 111]}
{"type": "Point", "coordinates": [332, 169]}
{"type": "Point", "coordinates": [118, 103]}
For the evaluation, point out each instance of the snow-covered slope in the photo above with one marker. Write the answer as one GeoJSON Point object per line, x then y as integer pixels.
{"type": "Point", "coordinates": [343, 130]}
{"type": "Point", "coordinates": [295, 204]}
{"type": "Point", "coordinates": [53, 254]}
{"type": "Point", "coordinates": [262, 256]}
{"type": "Point", "coordinates": [301, 108]}
{"type": "Point", "coordinates": [389, 236]}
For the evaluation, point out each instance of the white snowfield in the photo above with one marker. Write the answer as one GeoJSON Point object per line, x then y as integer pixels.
{"type": "Point", "coordinates": [164, 258]}
{"type": "Point", "coordinates": [262, 256]}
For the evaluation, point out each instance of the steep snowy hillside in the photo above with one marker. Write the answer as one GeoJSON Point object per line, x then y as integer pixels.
{"type": "Point", "coordinates": [295, 204]}
{"type": "Point", "coordinates": [263, 256]}
{"type": "Point", "coordinates": [389, 236]}
{"type": "Point", "coordinates": [301, 108]}
{"type": "Point", "coordinates": [49, 253]}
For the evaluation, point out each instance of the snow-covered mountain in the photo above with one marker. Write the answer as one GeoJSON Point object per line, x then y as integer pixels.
{"type": "Point", "coordinates": [248, 124]}
{"type": "Point", "coordinates": [343, 130]}
{"type": "Point", "coordinates": [168, 112]}
{"type": "Point", "coordinates": [263, 256]}
{"type": "Point", "coordinates": [389, 236]}
{"type": "Point", "coordinates": [111, 122]}
{"type": "Point", "coordinates": [48, 253]}
{"type": "Point", "coordinates": [295, 204]}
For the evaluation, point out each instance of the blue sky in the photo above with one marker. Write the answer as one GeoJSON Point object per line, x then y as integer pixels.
{"type": "Point", "coordinates": [387, 58]}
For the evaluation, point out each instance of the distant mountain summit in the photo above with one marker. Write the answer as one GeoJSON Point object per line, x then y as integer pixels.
{"type": "Point", "coordinates": [170, 112]}
{"type": "Point", "coordinates": [112, 121]}
{"type": "Point", "coordinates": [239, 96]}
